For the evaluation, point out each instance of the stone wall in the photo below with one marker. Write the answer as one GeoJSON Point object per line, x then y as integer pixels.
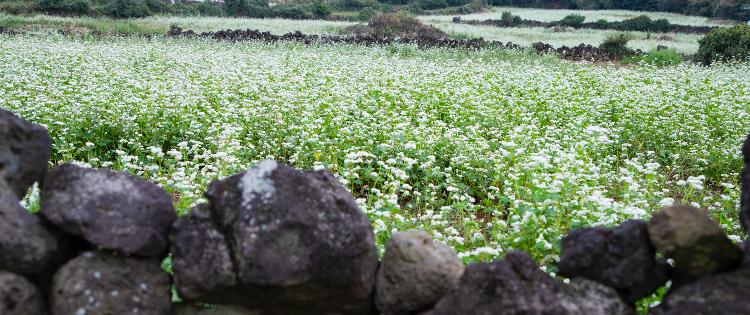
{"type": "Point", "coordinates": [275, 240]}
{"type": "Point", "coordinates": [581, 52]}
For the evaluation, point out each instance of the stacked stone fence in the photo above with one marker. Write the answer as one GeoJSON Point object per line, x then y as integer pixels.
{"type": "Point", "coordinates": [276, 240]}
{"type": "Point", "coordinates": [616, 26]}
{"type": "Point", "coordinates": [581, 52]}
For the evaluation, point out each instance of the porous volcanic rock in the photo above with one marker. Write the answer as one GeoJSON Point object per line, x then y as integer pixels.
{"type": "Point", "coordinates": [18, 296]}
{"type": "Point", "coordinates": [745, 186]}
{"type": "Point", "coordinates": [622, 258]}
{"type": "Point", "coordinates": [27, 245]}
{"type": "Point", "coordinates": [697, 244]}
{"type": "Point", "coordinates": [724, 293]}
{"type": "Point", "coordinates": [24, 152]}
{"type": "Point", "coordinates": [113, 210]}
{"type": "Point", "coordinates": [298, 244]}
{"type": "Point", "coordinates": [201, 259]}
{"type": "Point", "coordinates": [100, 283]}
{"type": "Point", "coordinates": [415, 273]}
{"type": "Point", "coordinates": [516, 285]}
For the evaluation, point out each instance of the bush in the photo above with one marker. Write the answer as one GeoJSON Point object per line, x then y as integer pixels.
{"type": "Point", "coordinates": [401, 24]}
{"type": "Point", "coordinates": [659, 58]}
{"type": "Point", "coordinates": [65, 7]}
{"type": "Point", "coordinates": [572, 20]}
{"type": "Point", "coordinates": [432, 4]}
{"type": "Point", "coordinates": [366, 14]}
{"type": "Point", "coordinates": [639, 23]}
{"type": "Point", "coordinates": [209, 9]}
{"type": "Point", "coordinates": [18, 6]}
{"type": "Point", "coordinates": [601, 24]}
{"type": "Point", "coordinates": [507, 18]}
{"type": "Point", "coordinates": [723, 44]}
{"type": "Point", "coordinates": [320, 9]}
{"type": "Point", "coordinates": [617, 46]}
{"type": "Point", "coordinates": [288, 11]}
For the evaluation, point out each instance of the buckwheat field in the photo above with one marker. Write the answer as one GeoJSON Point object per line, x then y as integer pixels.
{"type": "Point", "coordinates": [486, 150]}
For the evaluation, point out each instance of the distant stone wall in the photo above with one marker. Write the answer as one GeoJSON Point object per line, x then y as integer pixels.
{"type": "Point", "coordinates": [275, 240]}
{"type": "Point", "coordinates": [581, 52]}
{"type": "Point", "coordinates": [616, 26]}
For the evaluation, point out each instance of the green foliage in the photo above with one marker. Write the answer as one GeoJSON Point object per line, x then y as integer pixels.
{"type": "Point", "coordinates": [250, 8]}
{"type": "Point", "coordinates": [209, 9]}
{"type": "Point", "coordinates": [18, 6]}
{"type": "Point", "coordinates": [644, 23]}
{"type": "Point", "coordinates": [573, 20]}
{"type": "Point", "coordinates": [65, 7]}
{"type": "Point", "coordinates": [320, 9]}
{"type": "Point", "coordinates": [432, 4]}
{"type": "Point", "coordinates": [659, 58]}
{"type": "Point", "coordinates": [125, 8]}
{"type": "Point", "coordinates": [726, 43]}
{"type": "Point", "coordinates": [366, 14]}
{"type": "Point", "coordinates": [617, 46]}
{"type": "Point", "coordinates": [507, 18]}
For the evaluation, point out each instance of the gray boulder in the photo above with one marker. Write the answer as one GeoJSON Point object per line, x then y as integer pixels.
{"type": "Point", "coordinates": [745, 186]}
{"type": "Point", "coordinates": [622, 258]}
{"type": "Point", "coordinates": [27, 246]}
{"type": "Point", "coordinates": [516, 285]}
{"type": "Point", "coordinates": [298, 244]}
{"type": "Point", "coordinates": [99, 283]}
{"type": "Point", "coordinates": [201, 259]}
{"type": "Point", "coordinates": [18, 296]}
{"type": "Point", "coordinates": [24, 152]}
{"type": "Point", "coordinates": [697, 244]}
{"type": "Point", "coordinates": [113, 210]}
{"type": "Point", "coordinates": [724, 293]}
{"type": "Point", "coordinates": [415, 273]}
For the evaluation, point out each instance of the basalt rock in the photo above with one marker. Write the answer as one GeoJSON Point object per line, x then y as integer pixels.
{"type": "Point", "coordinates": [415, 273]}
{"type": "Point", "coordinates": [113, 210]}
{"type": "Point", "coordinates": [516, 285]}
{"type": "Point", "coordinates": [745, 186]}
{"type": "Point", "coordinates": [27, 245]}
{"type": "Point", "coordinates": [99, 283]}
{"type": "Point", "coordinates": [622, 258]}
{"type": "Point", "coordinates": [697, 244]}
{"type": "Point", "coordinates": [24, 152]}
{"type": "Point", "coordinates": [297, 242]}
{"type": "Point", "coordinates": [724, 293]}
{"type": "Point", "coordinates": [18, 296]}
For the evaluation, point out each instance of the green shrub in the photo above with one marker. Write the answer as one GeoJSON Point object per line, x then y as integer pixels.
{"type": "Point", "coordinates": [659, 58]}
{"type": "Point", "coordinates": [65, 7]}
{"type": "Point", "coordinates": [572, 20]}
{"type": "Point", "coordinates": [617, 46]}
{"type": "Point", "coordinates": [209, 9]}
{"type": "Point", "coordinates": [124, 8]}
{"type": "Point", "coordinates": [366, 14]}
{"type": "Point", "coordinates": [638, 23]}
{"type": "Point", "coordinates": [507, 18]}
{"type": "Point", "coordinates": [320, 9]}
{"type": "Point", "coordinates": [18, 6]}
{"type": "Point", "coordinates": [723, 44]}
{"type": "Point", "coordinates": [432, 4]}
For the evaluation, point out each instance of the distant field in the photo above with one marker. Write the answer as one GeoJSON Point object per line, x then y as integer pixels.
{"type": "Point", "coordinates": [684, 43]}
{"type": "Point", "coordinates": [549, 15]}
{"type": "Point", "coordinates": [161, 24]}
